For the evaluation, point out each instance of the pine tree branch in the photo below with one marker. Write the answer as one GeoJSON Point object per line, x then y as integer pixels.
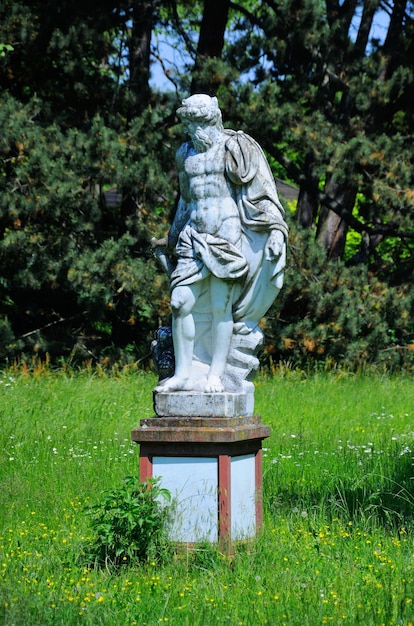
{"type": "Point", "coordinates": [247, 14]}
{"type": "Point", "coordinates": [181, 31]}
{"type": "Point", "coordinates": [386, 230]}
{"type": "Point", "coordinates": [59, 321]}
{"type": "Point", "coordinates": [166, 71]}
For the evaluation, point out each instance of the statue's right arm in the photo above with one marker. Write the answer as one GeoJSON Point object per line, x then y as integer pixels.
{"type": "Point", "coordinates": [180, 220]}
{"type": "Point", "coordinates": [182, 213]}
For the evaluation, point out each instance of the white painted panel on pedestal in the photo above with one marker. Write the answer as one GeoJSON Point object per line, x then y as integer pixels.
{"type": "Point", "coordinates": [193, 484]}
{"type": "Point", "coordinates": [243, 497]}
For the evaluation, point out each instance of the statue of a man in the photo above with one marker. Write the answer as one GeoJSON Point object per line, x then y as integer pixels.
{"type": "Point", "coordinates": [229, 237]}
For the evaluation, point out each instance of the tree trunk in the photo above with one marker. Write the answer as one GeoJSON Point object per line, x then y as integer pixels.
{"type": "Point", "coordinates": [370, 8]}
{"type": "Point", "coordinates": [395, 27]}
{"type": "Point", "coordinates": [339, 16]}
{"type": "Point", "coordinates": [210, 44]}
{"type": "Point", "coordinates": [139, 57]}
{"type": "Point", "coordinates": [332, 229]}
{"type": "Point", "coordinates": [307, 206]}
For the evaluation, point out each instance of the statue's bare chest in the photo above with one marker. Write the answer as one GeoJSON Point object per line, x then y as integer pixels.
{"type": "Point", "coordinates": [205, 163]}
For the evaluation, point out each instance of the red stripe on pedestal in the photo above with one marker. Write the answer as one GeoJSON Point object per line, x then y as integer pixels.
{"type": "Point", "coordinates": [224, 499]}
{"type": "Point", "coordinates": [259, 489]}
{"type": "Point", "coordinates": [145, 465]}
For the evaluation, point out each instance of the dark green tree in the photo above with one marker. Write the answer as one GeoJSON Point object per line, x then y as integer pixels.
{"type": "Point", "coordinates": [330, 104]}
{"type": "Point", "coordinates": [60, 55]}
{"type": "Point", "coordinates": [70, 264]}
{"type": "Point", "coordinates": [76, 120]}
{"type": "Point", "coordinates": [79, 57]}
{"type": "Point", "coordinates": [338, 102]}
{"type": "Point", "coordinates": [210, 45]}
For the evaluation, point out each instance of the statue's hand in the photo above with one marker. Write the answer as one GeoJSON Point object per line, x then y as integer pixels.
{"type": "Point", "coordinates": [274, 245]}
{"type": "Point", "coordinates": [161, 252]}
{"type": "Point", "coordinates": [159, 243]}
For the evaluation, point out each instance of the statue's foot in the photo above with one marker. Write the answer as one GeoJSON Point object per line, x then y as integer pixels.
{"type": "Point", "coordinates": [175, 383]}
{"type": "Point", "coordinates": [214, 385]}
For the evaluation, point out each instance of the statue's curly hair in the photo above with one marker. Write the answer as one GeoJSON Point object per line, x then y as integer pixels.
{"type": "Point", "coordinates": [200, 108]}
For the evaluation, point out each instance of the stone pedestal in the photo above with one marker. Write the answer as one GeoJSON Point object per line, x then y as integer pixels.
{"type": "Point", "coordinates": [213, 468]}
{"type": "Point", "coordinates": [197, 404]}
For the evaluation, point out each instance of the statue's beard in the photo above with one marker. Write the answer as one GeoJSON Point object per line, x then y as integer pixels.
{"type": "Point", "coordinates": [201, 141]}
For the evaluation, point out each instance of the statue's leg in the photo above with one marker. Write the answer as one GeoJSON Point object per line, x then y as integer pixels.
{"type": "Point", "coordinates": [183, 299]}
{"type": "Point", "coordinates": [221, 331]}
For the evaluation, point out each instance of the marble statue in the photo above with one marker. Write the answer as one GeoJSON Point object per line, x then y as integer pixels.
{"type": "Point", "coordinates": [225, 253]}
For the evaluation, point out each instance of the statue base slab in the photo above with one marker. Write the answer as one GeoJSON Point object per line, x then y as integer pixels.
{"type": "Point", "coordinates": [199, 404]}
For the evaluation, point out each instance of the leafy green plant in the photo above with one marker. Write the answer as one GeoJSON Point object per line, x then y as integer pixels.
{"type": "Point", "coordinates": [129, 523]}
{"type": "Point", "coordinates": [4, 48]}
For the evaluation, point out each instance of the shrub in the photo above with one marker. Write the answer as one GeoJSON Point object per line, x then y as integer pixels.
{"type": "Point", "coordinates": [129, 524]}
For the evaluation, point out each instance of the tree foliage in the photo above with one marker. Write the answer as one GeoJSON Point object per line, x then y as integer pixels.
{"type": "Point", "coordinates": [347, 131]}
{"type": "Point", "coordinates": [330, 314]}
{"type": "Point", "coordinates": [329, 99]}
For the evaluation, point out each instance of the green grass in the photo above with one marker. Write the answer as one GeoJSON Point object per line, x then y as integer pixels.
{"type": "Point", "coordinates": [337, 544]}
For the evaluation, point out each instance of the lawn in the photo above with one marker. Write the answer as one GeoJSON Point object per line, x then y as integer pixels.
{"type": "Point", "coordinates": [337, 543]}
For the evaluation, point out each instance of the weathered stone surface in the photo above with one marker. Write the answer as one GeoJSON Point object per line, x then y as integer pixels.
{"type": "Point", "coordinates": [225, 254]}
{"type": "Point", "coordinates": [197, 404]}
{"type": "Point", "coordinates": [200, 430]}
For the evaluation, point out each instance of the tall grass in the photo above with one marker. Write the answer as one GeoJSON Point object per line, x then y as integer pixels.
{"type": "Point", "coordinates": [337, 543]}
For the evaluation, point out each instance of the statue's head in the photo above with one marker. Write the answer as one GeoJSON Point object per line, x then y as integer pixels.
{"type": "Point", "coordinates": [201, 108]}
